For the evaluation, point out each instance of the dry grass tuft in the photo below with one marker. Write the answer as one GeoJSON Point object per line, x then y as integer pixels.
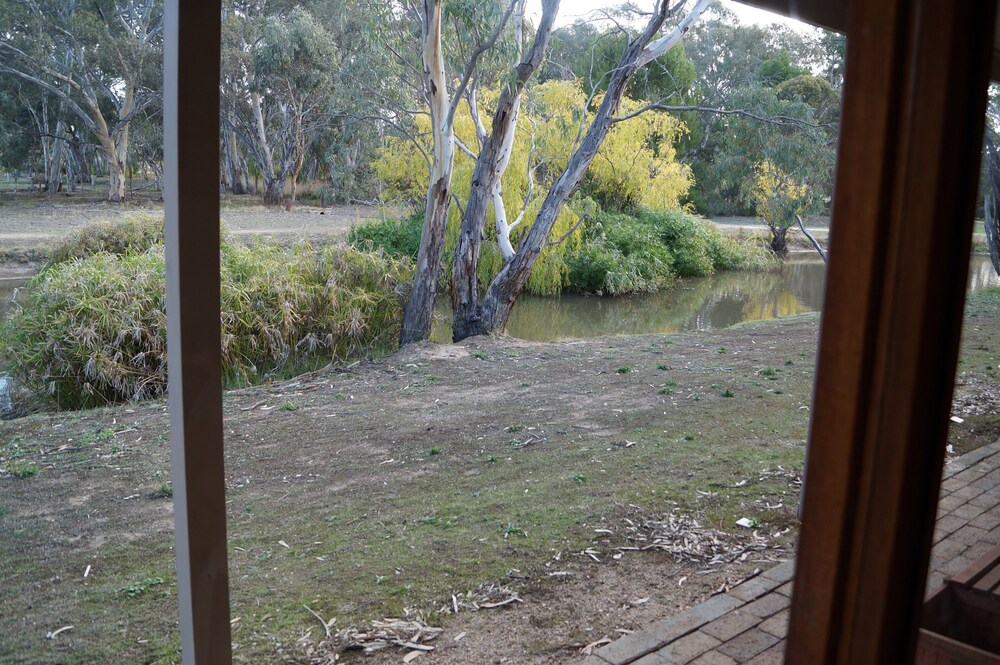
{"type": "Point", "coordinates": [92, 329]}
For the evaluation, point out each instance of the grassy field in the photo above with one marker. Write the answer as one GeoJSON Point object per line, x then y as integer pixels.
{"type": "Point", "coordinates": [382, 489]}
{"type": "Point", "coordinates": [397, 484]}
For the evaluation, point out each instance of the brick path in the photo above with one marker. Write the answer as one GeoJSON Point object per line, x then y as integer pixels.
{"type": "Point", "coordinates": [749, 623]}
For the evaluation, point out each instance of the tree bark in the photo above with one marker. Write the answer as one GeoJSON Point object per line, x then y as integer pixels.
{"type": "Point", "coordinates": [485, 188]}
{"type": "Point", "coordinates": [54, 167]}
{"type": "Point", "coordinates": [779, 240]}
{"type": "Point", "coordinates": [419, 310]}
{"type": "Point", "coordinates": [274, 188]}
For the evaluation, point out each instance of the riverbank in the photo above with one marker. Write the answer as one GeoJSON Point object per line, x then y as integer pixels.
{"type": "Point", "coordinates": [443, 476]}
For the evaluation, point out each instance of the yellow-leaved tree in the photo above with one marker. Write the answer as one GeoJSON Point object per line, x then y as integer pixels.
{"type": "Point", "coordinates": [635, 166]}
{"type": "Point", "coordinates": [778, 197]}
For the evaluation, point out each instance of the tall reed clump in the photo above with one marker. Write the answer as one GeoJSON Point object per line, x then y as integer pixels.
{"type": "Point", "coordinates": [284, 309]}
{"type": "Point", "coordinates": [92, 330]}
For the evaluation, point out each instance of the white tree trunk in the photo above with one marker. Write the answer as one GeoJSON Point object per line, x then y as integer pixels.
{"type": "Point", "coordinates": [507, 286]}
{"type": "Point", "coordinates": [419, 310]}
{"type": "Point", "coordinates": [499, 209]}
{"type": "Point", "coordinates": [54, 167]}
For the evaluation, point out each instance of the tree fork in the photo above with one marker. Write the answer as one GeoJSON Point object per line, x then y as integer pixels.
{"type": "Point", "coordinates": [507, 286]}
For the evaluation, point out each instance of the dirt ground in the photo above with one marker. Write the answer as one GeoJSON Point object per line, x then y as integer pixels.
{"type": "Point", "coordinates": [363, 491]}
{"type": "Point", "coordinates": [390, 488]}
{"type": "Point", "coordinates": [444, 476]}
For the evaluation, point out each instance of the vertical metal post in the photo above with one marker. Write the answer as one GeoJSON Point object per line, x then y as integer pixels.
{"type": "Point", "coordinates": [191, 203]}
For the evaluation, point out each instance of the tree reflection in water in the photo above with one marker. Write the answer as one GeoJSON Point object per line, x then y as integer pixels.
{"type": "Point", "coordinates": [703, 303]}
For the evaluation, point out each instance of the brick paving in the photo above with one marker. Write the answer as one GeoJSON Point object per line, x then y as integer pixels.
{"type": "Point", "coordinates": [748, 624]}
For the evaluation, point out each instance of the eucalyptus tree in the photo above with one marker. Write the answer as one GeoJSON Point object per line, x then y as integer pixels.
{"type": "Point", "coordinates": [477, 314]}
{"type": "Point", "coordinates": [278, 75]}
{"type": "Point", "coordinates": [478, 28]}
{"type": "Point", "coordinates": [771, 108]}
{"type": "Point", "coordinates": [444, 94]}
{"type": "Point", "coordinates": [24, 119]}
{"type": "Point", "coordinates": [100, 60]}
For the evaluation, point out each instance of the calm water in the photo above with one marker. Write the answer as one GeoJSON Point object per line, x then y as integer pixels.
{"type": "Point", "coordinates": [702, 303]}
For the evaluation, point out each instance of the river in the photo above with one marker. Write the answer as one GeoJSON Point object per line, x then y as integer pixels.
{"type": "Point", "coordinates": [702, 303]}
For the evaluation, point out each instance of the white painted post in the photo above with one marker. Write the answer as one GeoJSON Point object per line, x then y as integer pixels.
{"type": "Point", "coordinates": [191, 205]}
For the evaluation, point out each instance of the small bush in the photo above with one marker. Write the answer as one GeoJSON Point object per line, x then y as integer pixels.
{"type": "Point", "coordinates": [619, 255]}
{"type": "Point", "coordinates": [92, 330]}
{"type": "Point", "coordinates": [136, 234]}
{"type": "Point", "coordinates": [398, 237]}
{"type": "Point", "coordinates": [627, 254]}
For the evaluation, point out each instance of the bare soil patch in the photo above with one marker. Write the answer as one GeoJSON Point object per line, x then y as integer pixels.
{"type": "Point", "coordinates": [365, 491]}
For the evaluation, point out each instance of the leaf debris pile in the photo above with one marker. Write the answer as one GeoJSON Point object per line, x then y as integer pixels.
{"type": "Point", "coordinates": [975, 396]}
{"type": "Point", "coordinates": [410, 632]}
{"type": "Point", "coordinates": [686, 540]}
{"type": "Point", "coordinates": [485, 597]}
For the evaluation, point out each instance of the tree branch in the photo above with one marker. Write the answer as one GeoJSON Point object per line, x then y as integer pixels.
{"type": "Point", "coordinates": [470, 67]}
{"type": "Point", "coordinates": [815, 244]}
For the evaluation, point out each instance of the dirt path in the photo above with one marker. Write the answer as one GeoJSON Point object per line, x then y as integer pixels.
{"type": "Point", "coordinates": [27, 225]}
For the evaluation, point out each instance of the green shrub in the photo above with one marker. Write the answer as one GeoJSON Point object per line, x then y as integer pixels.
{"type": "Point", "coordinates": [619, 255]}
{"type": "Point", "coordinates": [686, 236]}
{"type": "Point", "coordinates": [92, 331]}
{"type": "Point", "coordinates": [136, 234]}
{"type": "Point", "coordinates": [749, 255]}
{"type": "Point", "coordinates": [628, 254]}
{"type": "Point", "coordinates": [398, 237]}
{"type": "Point", "coordinates": [700, 249]}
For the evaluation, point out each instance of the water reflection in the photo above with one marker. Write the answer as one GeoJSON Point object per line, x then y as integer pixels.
{"type": "Point", "coordinates": [705, 303]}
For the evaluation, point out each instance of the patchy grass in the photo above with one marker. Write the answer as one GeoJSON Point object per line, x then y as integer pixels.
{"type": "Point", "coordinates": [342, 503]}
{"type": "Point", "coordinates": [977, 396]}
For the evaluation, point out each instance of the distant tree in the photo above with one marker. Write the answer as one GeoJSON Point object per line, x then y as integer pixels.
{"type": "Point", "coordinates": [817, 93]}
{"type": "Point", "coordinates": [21, 147]}
{"type": "Point", "coordinates": [100, 60]}
{"type": "Point", "coordinates": [778, 69]}
{"type": "Point", "coordinates": [791, 116]}
{"type": "Point", "coordinates": [779, 198]}
{"type": "Point", "coordinates": [279, 75]}
{"type": "Point", "coordinates": [589, 51]}
{"type": "Point", "coordinates": [834, 48]}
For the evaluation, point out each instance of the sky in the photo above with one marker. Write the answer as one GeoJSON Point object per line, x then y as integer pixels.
{"type": "Point", "coordinates": [570, 10]}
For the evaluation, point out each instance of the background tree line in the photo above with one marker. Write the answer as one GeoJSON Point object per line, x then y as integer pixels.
{"type": "Point", "coordinates": [315, 91]}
